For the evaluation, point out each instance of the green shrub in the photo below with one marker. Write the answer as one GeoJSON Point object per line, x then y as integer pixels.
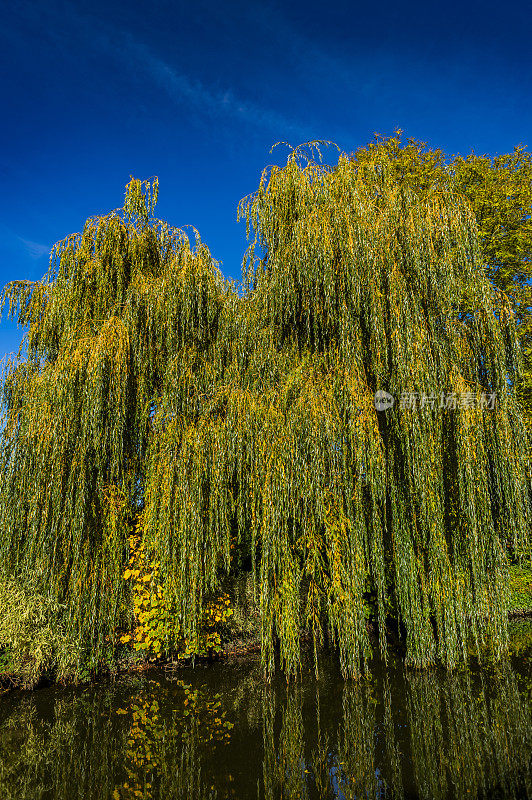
{"type": "Point", "coordinates": [520, 589]}
{"type": "Point", "coordinates": [33, 642]}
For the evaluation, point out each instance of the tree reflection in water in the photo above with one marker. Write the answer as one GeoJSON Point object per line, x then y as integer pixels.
{"type": "Point", "coordinates": [428, 735]}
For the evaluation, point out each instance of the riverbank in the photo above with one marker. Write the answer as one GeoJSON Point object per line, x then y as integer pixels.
{"type": "Point", "coordinates": [34, 652]}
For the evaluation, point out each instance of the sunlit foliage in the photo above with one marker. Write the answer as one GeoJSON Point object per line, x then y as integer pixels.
{"type": "Point", "coordinates": [34, 643]}
{"type": "Point", "coordinates": [154, 613]}
{"type": "Point", "coordinates": [150, 386]}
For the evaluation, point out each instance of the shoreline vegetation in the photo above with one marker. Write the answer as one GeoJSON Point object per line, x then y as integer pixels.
{"type": "Point", "coordinates": [240, 639]}
{"type": "Point", "coordinates": [187, 461]}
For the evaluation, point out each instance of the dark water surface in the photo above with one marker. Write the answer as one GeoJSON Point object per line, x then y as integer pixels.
{"type": "Point", "coordinates": [219, 732]}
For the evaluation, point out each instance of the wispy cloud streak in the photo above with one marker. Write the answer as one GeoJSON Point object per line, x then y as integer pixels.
{"type": "Point", "coordinates": [35, 249]}
{"type": "Point", "coordinates": [180, 87]}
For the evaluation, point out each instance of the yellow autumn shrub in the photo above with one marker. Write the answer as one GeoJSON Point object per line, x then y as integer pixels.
{"type": "Point", "coordinates": [154, 630]}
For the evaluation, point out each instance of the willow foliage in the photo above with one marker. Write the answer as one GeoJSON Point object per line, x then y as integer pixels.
{"type": "Point", "coordinates": [153, 389]}
{"type": "Point", "coordinates": [121, 302]}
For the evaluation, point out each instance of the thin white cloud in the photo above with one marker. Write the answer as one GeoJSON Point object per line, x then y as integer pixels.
{"type": "Point", "coordinates": [35, 249]}
{"type": "Point", "coordinates": [181, 87]}
{"type": "Point", "coordinates": [11, 244]}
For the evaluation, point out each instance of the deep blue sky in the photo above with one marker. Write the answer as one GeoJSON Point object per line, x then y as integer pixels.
{"type": "Point", "coordinates": [197, 93]}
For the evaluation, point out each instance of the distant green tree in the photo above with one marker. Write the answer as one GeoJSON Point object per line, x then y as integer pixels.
{"type": "Point", "coordinates": [499, 190]}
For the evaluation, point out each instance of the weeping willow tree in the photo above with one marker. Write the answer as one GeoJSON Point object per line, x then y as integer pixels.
{"type": "Point", "coordinates": [120, 304]}
{"type": "Point", "coordinates": [239, 428]}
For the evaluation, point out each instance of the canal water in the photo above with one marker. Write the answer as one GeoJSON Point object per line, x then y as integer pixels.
{"type": "Point", "coordinates": [220, 732]}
